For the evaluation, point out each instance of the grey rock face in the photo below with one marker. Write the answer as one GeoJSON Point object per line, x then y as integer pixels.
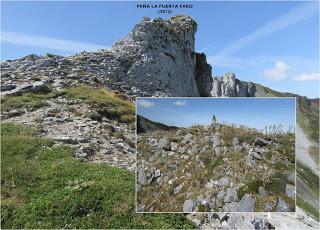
{"type": "Point", "coordinates": [256, 155]}
{"type": "Point", "coordinates": [261, 142]}
{"type": "Point", "coordinates": [195, 149]}
{"type": "Point", "coordinates": [174, 145]}
{"type": "Point", "coordinates": [224, 182]}
{"type": "Point", "coordinates": [246, 203]}
{"type": "Point", "coordinates": [216, 141]}
{"type": "Point", "coordinates": [221, 194]}
{"type": "Point", "coordinates": [230, 207]}
{"type": "Point", "coordinates": [177, 189]}
{"type": "Point", "coordinates": [142, 178]}
{"type": "Point", "coordinates": [231, 195]}
{"type": "Point", "coordinates": [163, 143]}
{"type": "Point", "coordinates": [290, 191]}
{"type": "Point", "coordinates": [250, 161]}
{"type": "Point", "coordinates": [261, 223]}
{"type": "Point", "coordinates": [268, 207]}
{"type": "Point", "coordinates": [262, 191]}
{"type": "Point", "coordinates": [282, 206]}
{"type": "Point", "coordinates": [203, 75]}
{"type": "Point", "coordinates": [165, 50]}
{"type": "Point", "coordinates": [157, 173]}
{"type": "Point", "coordinates": [189, 206]}
{"type": "Point", "coordinates": [182, 149]}
{"type": "Point", "coordinates": [186, 138]}
{"type": "Point", "coordinates": [292, 178]}
{"type": "Point", "coordinates": [7, 87]}
{"type": "Point", "coordinates": [212, 203]}
{"type": "Point", "coordinates": [229, 86]}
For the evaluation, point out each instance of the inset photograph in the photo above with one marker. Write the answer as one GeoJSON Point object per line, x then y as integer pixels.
{"type": "Point", "coordinates": [215, 155]}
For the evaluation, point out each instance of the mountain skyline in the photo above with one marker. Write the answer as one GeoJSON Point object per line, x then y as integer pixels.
{"type": "Point", "coordinates": [278, 49]}
{"type": "Point", "coordinates": [253, 112]}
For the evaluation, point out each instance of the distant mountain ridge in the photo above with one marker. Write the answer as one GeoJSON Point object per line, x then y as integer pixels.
{"type": "Point", "coordinates": [145, 125]}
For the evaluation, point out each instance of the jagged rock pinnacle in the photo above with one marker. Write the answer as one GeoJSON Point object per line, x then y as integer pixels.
{"type": "Point", "coordinates": [230, 86]}
{"type": "Point", "coordinates": [161, 56]}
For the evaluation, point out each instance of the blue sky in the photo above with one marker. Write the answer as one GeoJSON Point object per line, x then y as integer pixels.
{"type": "Point", "coordinates": [253, 112]}
{"type": "Point", "coordinates": [272, 43]}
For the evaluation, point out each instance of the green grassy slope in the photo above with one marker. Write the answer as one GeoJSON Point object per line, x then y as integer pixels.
{"type": "Point", "coordinates": [308, 120]}
{"type": "Point", "coordinates": [43, 186]}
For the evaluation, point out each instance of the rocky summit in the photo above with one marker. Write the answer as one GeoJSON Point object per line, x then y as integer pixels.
{"type": "Point", "coordinates": [156, 58]}
{"type": "Point", "coordinates": [216, 168]}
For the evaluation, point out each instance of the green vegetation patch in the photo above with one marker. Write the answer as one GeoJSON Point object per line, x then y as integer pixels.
{"type": "Point", "coordinates": [307, 207]}
{"type": "Point", "coordinates": [31, 101]}
{"type": "Point", "coordinates": [243, 133]}
{"type": "Point", "coordinates": [105, 103]}
{"type": "Point", "coordinates": [308, 176]}
{"type": "Point", "coordinates": [44, 186]}
{"type": "Point", "coordinates": [250, 187]}
{"type": "Point", "coordinates": [308, 117]}
{"type": "Point", "coordinates": [277, 183]}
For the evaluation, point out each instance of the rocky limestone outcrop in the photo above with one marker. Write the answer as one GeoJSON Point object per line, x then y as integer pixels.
{"type": "Point", "coordinates": [163, 58]}
{"type": "Point", "coordinates": [230, 86]}
{"type": "Point", "coordinates": [157, 58]}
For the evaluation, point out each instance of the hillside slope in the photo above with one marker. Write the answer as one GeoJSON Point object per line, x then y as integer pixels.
{"type": "Point", "coordinates": [145, 125]}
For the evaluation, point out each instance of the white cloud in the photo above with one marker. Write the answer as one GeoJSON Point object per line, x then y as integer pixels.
{"type": "Point", "coordinates": [279, 72]}
{"type": "Point", "coordinates": [145, 103]}
{"type": "Point", "coordinates": [295, 15]}
{"type": "Point", "coordinates": [49, 43]}
{"type": "Point", "coordinates": [180, 103]}
{"type": "Point", "coordinates": [308, 77]}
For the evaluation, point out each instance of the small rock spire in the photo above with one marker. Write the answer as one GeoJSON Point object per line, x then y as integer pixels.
{"type": "Point", "coordinates": [213, 120]}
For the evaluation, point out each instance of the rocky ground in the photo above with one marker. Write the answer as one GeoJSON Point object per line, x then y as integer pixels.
{"type": "Point", "coordinates": [219, 168]}
{"type": "Point", "coordinates": [74, 120]}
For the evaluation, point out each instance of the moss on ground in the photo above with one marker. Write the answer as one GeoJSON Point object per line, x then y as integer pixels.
{"type": "Point", "coordinates": [44, 186]}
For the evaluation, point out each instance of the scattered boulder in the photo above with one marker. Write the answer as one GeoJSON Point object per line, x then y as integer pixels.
{"type": "Point", "coordinates": [142, 178]}
{"type": "Point", "coordinates": [290, 191]}
{"type": "Point", "coordinates": [174, 146]}
{"type": "Point", "coordinates": [157, 173]}
{"type": "Point", "coordinates": [209, 184]}
{"type": "Point", "coordinates": [262, 191]}
{"type": "Point", "coordinates": [231, 195]}
{"type": "Point", "coordinates": [282, 206]}
{"type": "Point", "coordinates": [250, 161]}
{"type": "Point", "coordinates": [256, 155]}
{"type": "Point", "coordinates": [163, 143]}
{"type": "Point", "coordinates": [189, 206]}
{"type": "Point", "coordinates": [182, 149]}
{"type": "Point", "coordinates": [246, 204]}
{"type": "Point", "coordinates": [7, 87]}
{"type": "Point", "coordinates": [260, 142]}
{"type": "Point", "coordinates": [268, 207]}
{"type": "Point", "coordinates": [261, 223]}
{"type": "Point", "coordinates": [212, 203]}
{"type": "Point", "coordinates": [195, 149]}
{"type": "Point", "coordinates": [187, 138]}
{"type": "Point", "coordinates": [292, 177]}
{"type": "Point", "coordinates": [225, 181]}
{"type": "Point", "coordinates": [177, 189]}
{"type": "Point", "coordinates": [216, 141]}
